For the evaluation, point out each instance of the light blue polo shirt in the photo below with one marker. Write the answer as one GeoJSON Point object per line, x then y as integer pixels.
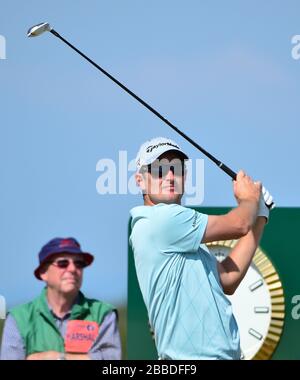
{"type": "Point", "coordinates": [179, 281]}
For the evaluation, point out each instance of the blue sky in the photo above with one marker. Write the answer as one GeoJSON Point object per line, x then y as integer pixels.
{"type": "Point", "coordinates": [220, 71]}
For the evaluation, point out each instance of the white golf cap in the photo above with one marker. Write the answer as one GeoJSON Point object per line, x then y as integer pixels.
{"type": "Point", "coordinates": [154, 148]}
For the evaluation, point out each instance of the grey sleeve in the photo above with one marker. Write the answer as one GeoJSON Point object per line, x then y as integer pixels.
{"type": "Point", "coordinates": [12, 346]}
{"type": "Point", "coordinates": [107, 345]}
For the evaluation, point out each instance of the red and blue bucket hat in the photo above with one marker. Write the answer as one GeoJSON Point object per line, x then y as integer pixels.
{"type": "Point", "coordinates": [61, 245]}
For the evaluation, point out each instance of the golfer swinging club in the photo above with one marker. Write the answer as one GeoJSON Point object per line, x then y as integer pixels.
{"type": "Point", "coordinates": [182, 284]}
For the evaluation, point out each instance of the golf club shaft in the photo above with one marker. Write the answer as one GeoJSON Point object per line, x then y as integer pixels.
{"type": "Point", "coordinates": [220, 164]}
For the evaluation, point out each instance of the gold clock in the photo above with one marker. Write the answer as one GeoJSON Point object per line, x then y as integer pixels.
{"type": "Point", "coordinates": [258, 304]}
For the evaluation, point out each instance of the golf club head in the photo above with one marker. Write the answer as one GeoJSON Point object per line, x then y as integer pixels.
{"type": "Point", "coordinates": [38, 29]}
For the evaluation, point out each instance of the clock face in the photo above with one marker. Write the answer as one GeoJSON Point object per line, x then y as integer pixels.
{"type": "Point", "coordinates": [258, 304]}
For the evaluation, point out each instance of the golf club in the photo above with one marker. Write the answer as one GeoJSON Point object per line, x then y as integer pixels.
{"type": "Point", "coordinates": [38, 29]}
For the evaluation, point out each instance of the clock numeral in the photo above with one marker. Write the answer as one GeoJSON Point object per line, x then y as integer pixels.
{"type": "Point", "coordinates": [255, 333]}
{"type": "Point", "coordinates": [261, 309]}
{"type": "Point", "coordinates": [256, 285]}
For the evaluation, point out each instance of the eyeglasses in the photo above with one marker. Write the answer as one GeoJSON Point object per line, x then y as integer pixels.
{"type": "Point", "coordinates": [64, 263]}
{"type": "Point", "coordinates": [160, 171]}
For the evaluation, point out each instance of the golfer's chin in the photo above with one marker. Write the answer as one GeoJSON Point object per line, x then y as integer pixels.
{"type": "Point", "coordinates": [169, 197]}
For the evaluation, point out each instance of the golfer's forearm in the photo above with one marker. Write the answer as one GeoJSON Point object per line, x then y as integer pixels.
{"type": "Point", "coordinates": [233, 225]}
{"type": "Point", "coordinates": [246, 214]}
{"type": "Point", "coordinates": [235, 266]}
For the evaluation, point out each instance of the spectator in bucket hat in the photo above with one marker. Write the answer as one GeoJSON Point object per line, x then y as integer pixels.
{"type": "Point", "coordinates": [61, 323]}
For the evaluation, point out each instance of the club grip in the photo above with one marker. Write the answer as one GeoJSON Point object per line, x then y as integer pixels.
{"type": "Point", "coordinates": [232, 174]}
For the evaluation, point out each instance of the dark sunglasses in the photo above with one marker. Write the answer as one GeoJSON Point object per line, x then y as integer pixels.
{"type": "Point", "coordinates": [160, 171]}
{"type": "Point", "coordinates": [64, 263]}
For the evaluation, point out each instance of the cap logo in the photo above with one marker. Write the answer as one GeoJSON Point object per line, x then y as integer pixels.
{"type": "Point", "coordinates": [67, 243]}
{"type": "Point", "coordinates": [150, 148]}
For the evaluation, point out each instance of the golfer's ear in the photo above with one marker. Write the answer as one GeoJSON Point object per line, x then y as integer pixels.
{"type": "Point", "coordinates": [140, 181]}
